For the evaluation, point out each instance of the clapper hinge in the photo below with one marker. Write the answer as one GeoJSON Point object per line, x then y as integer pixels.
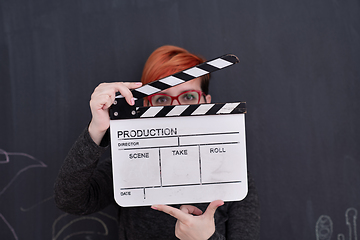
{"type": "Point", "coordinates": [120, 109]}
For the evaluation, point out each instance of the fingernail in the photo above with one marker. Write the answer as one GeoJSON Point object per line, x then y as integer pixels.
{"type": "Point", "coordinates": [132, 101]}
{"type": "Point", "coordinates": [154, 207]}
{"type": "Point", "coordinates": [138, 83]}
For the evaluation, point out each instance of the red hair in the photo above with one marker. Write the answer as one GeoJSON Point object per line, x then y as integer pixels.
{"type": "Point", "coordinates": [167, 60]}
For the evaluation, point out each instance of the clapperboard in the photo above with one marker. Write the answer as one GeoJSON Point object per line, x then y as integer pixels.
{"type": "Point", "coordinates": [178, 154]}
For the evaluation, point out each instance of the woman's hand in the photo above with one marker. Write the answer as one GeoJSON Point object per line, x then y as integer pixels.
{"type": "Point", "coordinates": [192, 223]}
{"type": "Point", "coordinates": [101, 99]}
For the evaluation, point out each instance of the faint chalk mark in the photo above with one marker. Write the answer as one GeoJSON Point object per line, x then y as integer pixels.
{"type": "Point", "coordinates": [324, 227]}
{"type": "Point", "coordinates": [351, 213]}
{"type": "Point", "coordinates": [35, 205]}
{"type": "Point", "coordinates": [7, 160]}
{"type": "Point", "coordinates": [341, 237]}
{"type": "Point", "coordinates": [9, 226]}
{"type": "Point", "coordinates": [55, 235]}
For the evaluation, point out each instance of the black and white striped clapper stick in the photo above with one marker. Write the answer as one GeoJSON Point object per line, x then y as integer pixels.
{"type": "Point", "coordinates": [184, 110]}
{"type": "Point", "coordinates": [184, 76]}
{"type": "Point", "coordinates": [120, 109]}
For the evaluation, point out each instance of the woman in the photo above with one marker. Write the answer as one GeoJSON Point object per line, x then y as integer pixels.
{"type": "Point", "coordinates": [84, 184]}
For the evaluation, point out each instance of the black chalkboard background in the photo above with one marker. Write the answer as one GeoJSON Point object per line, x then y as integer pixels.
{"type": "Point", "coordinates": [298, 72]}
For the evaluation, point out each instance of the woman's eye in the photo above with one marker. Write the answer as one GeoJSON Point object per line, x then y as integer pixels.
{"type": "Point", "coordinates": [161, 100]}
{"type": "Point", "coordinates": [189, 97]}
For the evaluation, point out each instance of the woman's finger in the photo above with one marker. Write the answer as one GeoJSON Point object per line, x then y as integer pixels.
{"type": "Point", "coordinates": [191, 210]}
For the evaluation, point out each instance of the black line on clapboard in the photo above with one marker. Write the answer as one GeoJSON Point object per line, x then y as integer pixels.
{"type": "Point", "coordinates": [181, 185]}
{"type": "Point", "coordinates": [221, 182]}
{"type": "Point", "coordinates": [206, 134]}
{"type": "Point", "coordinates": [198, 184]}
{"type": "Point", "coordinates": [184, 135]}
{"type": "Point", "coordinates": [160, 166]}
{"type": "Point", "coordinates": [186, 145]}
{"type": "Point", "coordinates": [200, 163]}
{"type": "Point", "coordinates": [220, 143]}
{"type": "Point", "coordinates": [126, 139]}
{"type": "Point", "coordinates": [137, 188]}
{"type": "Point", "coordinates": [148, 147]}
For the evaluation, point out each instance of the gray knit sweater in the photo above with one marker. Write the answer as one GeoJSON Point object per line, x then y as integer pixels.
{"type": "Point", "coordinates": [84, 186]}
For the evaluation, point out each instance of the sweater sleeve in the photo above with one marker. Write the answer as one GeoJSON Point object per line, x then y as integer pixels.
{"type": "Point", "coordinates": [84, 183]}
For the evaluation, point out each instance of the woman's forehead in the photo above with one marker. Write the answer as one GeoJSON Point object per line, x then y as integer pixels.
{"type": "Point", "coordinates": [194, 84]}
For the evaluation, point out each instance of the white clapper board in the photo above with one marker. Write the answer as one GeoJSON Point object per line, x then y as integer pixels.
{"type": "Point", "coordinates": [178, 154]}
